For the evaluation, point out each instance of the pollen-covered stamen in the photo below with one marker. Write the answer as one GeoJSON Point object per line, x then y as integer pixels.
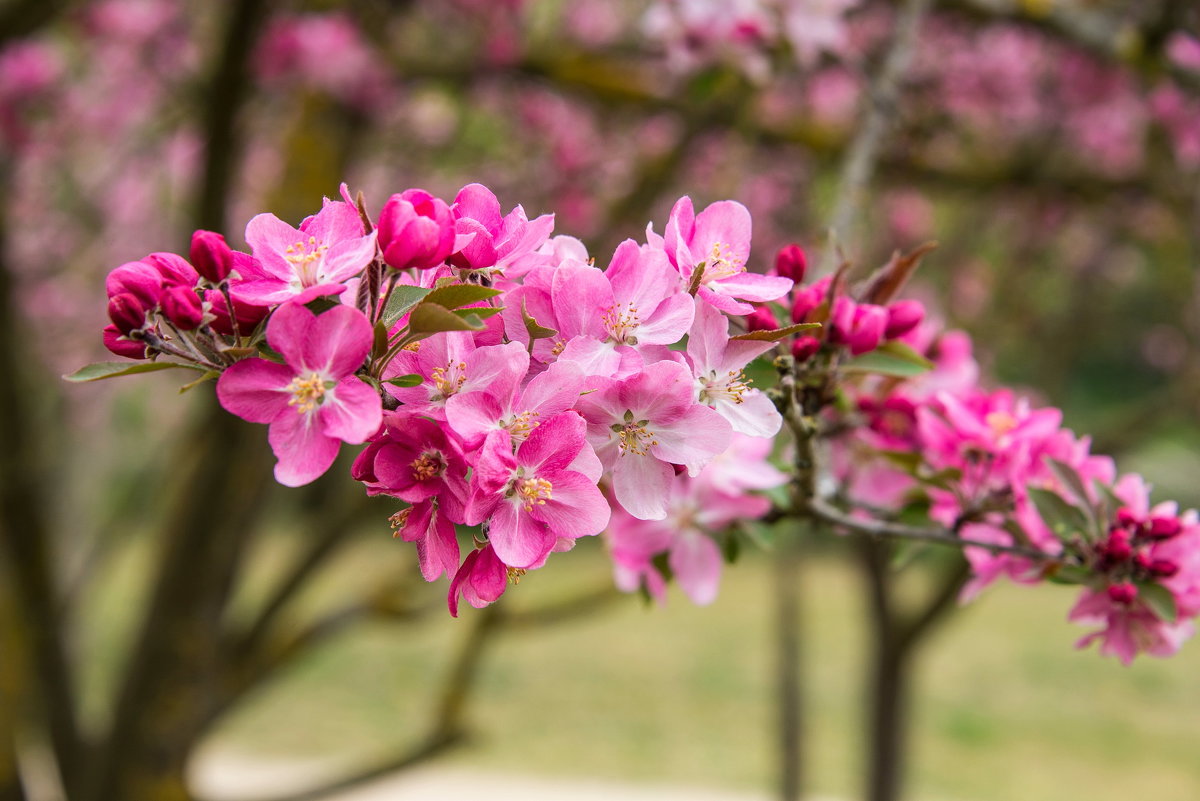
{"type": "Point", "coordinates": [1000, 422]}
{"type": "Point", "coordinates": [533, 492]}
{"type": "Point", "coordinates": [399, 520]}
{"type": "Point", "coordinates": [722, 263]}
{"type": "Point", "coordinates": [306, 259]}
{"type": "Point", "coordinates": [449, 379]}
{"type": "Point", "coordinates": [308, 392]}
{"type": "Point", "coordinates": [559, 346]}
{"type": "Point", "coordinates": [621, 320]}
{"type": "Point", "coordinates": [633, 436]}
{"type": "Point", "coordinates": [514, 575]}
{"type": "Point", "coordinates": [429, 464]}
{"type": "Point", "coordinates": [520, 426]}
{"type": "Point", "coordinates": [729, 387]}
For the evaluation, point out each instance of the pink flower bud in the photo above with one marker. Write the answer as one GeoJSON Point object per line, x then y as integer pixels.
{"type": "Point", "coordinates": [804, 348]}
{"type": "Point", "coordinates": [790, 262]}
{"type": "Point", "coordinates": [1163, 528]}
{"type": "Point", "coordinates": [129, 348]}
{"type": "Point", "coordinates": [1118, 548]}
{"type": "Point", "coordinates": [248, 317]}
{"type": "Point", "coordinates": [127, 313]}
{"type": "Point", "coordinates": [903, 316]}
{"type": "Point", "coordinates": [867, 332]}
{"type": "Point", "coordinates": [136, 278]}
{"type": "Point", "coordinates": [841, 320]}
{"type": "Point", "coordinates": [416, 229]}
{"type": "Point", "coordinates": [182, 307]}
{"type": "Point", "coordinates": [211, 256]}
{"type": "Point", "coordinates": [804, 301]}
{"type": "Point", "coordinates": [761, 319]}
{"type": "Point", "coordinates": [1126, 518]}
{"type": "Point", "coordinates": [1122, 593]}
{"type": "Point", "coordinates": [1163, 568]}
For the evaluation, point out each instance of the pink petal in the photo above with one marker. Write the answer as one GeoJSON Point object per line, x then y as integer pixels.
{"type": "Point", "coordinates": [696, 562]}
{"type": "Point", "coordinates": [576, 508]}
{"type": "Point", "coordinates": [255, 389]}
{"type": "Point", "coordinates": [553, 444]}
{"type": "Point", "coordinates": [642, 485]}
{"type": "Point", "coordinates": [353, 413]}
{"type": "Point", "coordinates": [518, 539]}
{"type": "Point", "coordinates": [304, 453]}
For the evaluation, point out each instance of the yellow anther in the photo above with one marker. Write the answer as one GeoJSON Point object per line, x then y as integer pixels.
{"type": "Point", "coordinates": [308, 392]}
{"type": "Point", "coordinates": [399, 520]}
{"type": "Point", "coordinates": [426, 466]}
{"type": "Point", "coordinates": [534, 492]}
{"type": "Point", "coordinates": [514, 574]}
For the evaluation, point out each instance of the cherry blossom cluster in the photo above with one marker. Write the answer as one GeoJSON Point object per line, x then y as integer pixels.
{"type": "Point", "coordinates": [502, 382]}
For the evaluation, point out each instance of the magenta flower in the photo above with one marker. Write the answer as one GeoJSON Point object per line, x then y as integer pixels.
{"type": "Point", "coordinates": [719, 238]}
{"type": "Point", "coordinates": [532, 499]}
{"type": "Point", "coordinates": [643, 425]}
{"type": "Point", "coordinates": [416, 229]}
{"type": "Point", "coordinates": [317, 259]}
{"type": "Point", "coordinates": [434, 534]}
{"type": "Point", "coordinates": [313, 401]}
{"type": "Point", "coordinates": [504, 407]}
{"type": "Point", "coordinates": [495, 241]}
{"type": "Point", "coordinates": [481, 580]}
{"type": "Point", "coordinates": [450, 364]}
{"type": "Point", "coordinates": [718, 363]}
{"type": "Point", "coordinates": [1128, 627]}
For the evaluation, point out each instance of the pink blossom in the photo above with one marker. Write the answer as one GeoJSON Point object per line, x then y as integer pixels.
{"type": "Point", "coordinates": [416, 229]}
{"type": "Point", "coordinates": [434, 534]}
{"type": "Point", "coordinates": [497, 241]}
{"type": "Point", "coordinates": [718, 238]}
{"type": "Point", "coordinates": [313, 401]}
{"type": "Point", "coordinates": [506, 407]}
{"type": "Point", "coordinates": [449, 364]}
{"type": "Point", "coordinates": [1128, 628]}
{"type": "Point", "coordinates": [302, 264]}
{"type": "Point", "coordinates": [532, 500]}
{"type": "Point", "coordinates": [642, 425]}
{"type": "Point", "coordinates": [414, 459]}
{"type": "Point", "coordinates": [481, 579]}
{"type": "Point", "coordinates": [718, 363]}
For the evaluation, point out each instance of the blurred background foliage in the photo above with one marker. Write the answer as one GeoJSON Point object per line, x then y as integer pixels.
{"type": "Point", "coordinates": [159, 599]}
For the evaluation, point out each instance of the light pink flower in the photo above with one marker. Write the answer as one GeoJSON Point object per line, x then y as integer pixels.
{"type": "Point", "coordinates": [495, 241]}
{"type": "Point", "coordinates": [313, 401]}
{"type": "Point", "coordinates": [718, 363]}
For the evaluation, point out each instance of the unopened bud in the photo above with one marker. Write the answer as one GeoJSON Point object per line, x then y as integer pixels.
{"type": "Point", "coordinates": [761, 319]}
{"type": "Point", "coordinates": [129, 348]}
{"type": "Point", "coordinates": [1163, 568]}
{"type": "Point", "coordinates": [867, 330]}
{"type": "Point", "coordinates": [804, 348]}
{"type": "Point", "coordinates": [211, 256]}
{"type": "Point", "coordinates": [1126, 518]}
{"type": "Point", "coordinates": [790, 262]}
{"type": "Point", "coordinates": [903, 316]}
{"type": "Point", "coordinates": [1162, 528]}
{"type": "Point", "coordinates": [182, 307]}
{"type": "Point", "coordinates": [127, 313]}
{"type": "Point", "coordinates": [1118, 548]}
{"type": "Point", "coordinates": [1123, 593]}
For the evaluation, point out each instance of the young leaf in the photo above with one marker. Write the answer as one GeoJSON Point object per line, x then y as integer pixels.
{"type": "Point", "coordinates": [731, 547]}
{"type": "Point", "coordinates": [535, 329]}
{"type": "Point", "coordinates": [430, 318]}
{"type": "Point", "coordinates": [410, 380]}
{"type": "Point", "coordinates": [457, 295]}
{"type": "Point", "coordinates": [1159, 599]}
{"type": "Point", "coordinates": [481, 312]}
{"type": "Point", "coordinates": [774, 335]}
{"type": "Point", "coordinates": [101, 370]}
{"type": "Point", "coordinates": [1060, 517]}
{"type": "Point", "coordinates": [1069, 478]}
{"type": "Point", "coordinates": [1067, 574]}
{"type": "Point", "coordinates": [208, 376]}
{"type": "Point", "coordinates": [890, 358]}
{"type": "Point", "coordinates": [401, 300]}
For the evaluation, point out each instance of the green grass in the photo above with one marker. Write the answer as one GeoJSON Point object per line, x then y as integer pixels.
{"type": "Point", "coordinates": [1005, 708]}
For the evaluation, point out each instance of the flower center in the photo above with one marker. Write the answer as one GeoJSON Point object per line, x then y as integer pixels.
{"type": "Point", "coordinates": [520, 425]}
{"type": "Point", "coordinates": [1000, 422]}
{"type": "Point", "coordinates": [621, 320]}
{"type": "Point", "coordinates": [634, 437]}
{"type": "Point", "coordinates": [449, 379]}
{"type": "Point", "coordinates": [308, 392]}
{"type": "Point", "coordinates": [729, 387]}
{"type": "Point", "coordinates": [399, 520]}
{"type": "Point", "coordinates": [306, 259]}
{"type": "Point", "coordinates": [428, 465]}
{"type": "Point", "coordinates": [533, 492]}
{"type": "Point", "coordinates": [514, 575]}
{"type": "Point", "coordinates": [722, 263]}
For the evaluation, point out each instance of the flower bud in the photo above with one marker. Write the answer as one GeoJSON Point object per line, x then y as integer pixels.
{"type": "Point", "coordinates": [182, 307]}
{"type": "Point", "coordinates": [1126, 518]}
{"type": "Point", "coordinates": [841, 319]}
{"type": "Point", "coordinates": [127, 313]}
{"type": "Point", "coordinates": [867, 331]}
{"type": "Point", "coordinates": [247, 316]}
{"type": "Point", "coordinates": [136, 278]}
{"type": "Point", "coordinates": [416, 229]}
{"type": "Point", "coordinates": [790, 262]}
{"type": "Point", "coordinates": [1163, 528]}
{"type": "Point", "coordinates": [804, 301]}
{"type": "Point", "coordinates": [761, 319]}
{"type": "Point", "coordinates": [129, 348]}
{"type": "Point", "coordinates": [1118, 548]}
{"type": "Point", "coordinates": [1163, 568]}
{"type": "Point", "coordinates": [211, 256]}
{"type": "Point", "coordinates": [903, 316]}
{"type": "Point", "coordinates": [804, 348]}
{"type": "Point", "coordinates": [1123, 593]}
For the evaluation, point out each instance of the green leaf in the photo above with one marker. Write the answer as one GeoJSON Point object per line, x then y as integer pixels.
{"type": "Point", "coordinates": [1159, 599]}
{"type": "Point", "coordinates": [908, 461]}
{"type": "Point", "coordinates": [1069, 478]}
{"type": "Point", "coordinates": [731, 547]}
{"type": "Point", "coordinates": [380, 344]}
{"type": "Point", "coordinates": [456, 295]}
{"type": "Point", "coordinates": [891, 358]}
{"type": "Point", "coordinates": [1068, 574]}
{"type": "Point", "coordinates": [208, 376]}
{"type": "Point", "coordinates": [775, 334]}
{"type": "Point", "coordinates": [479, 312]}
{"type": "Point", "coordinates": [101, 370]}
{"type": "Point", "coordinates": [430, 318]}
{"type": "Point", "coordinates": [400, 301]}
{"type": "Point", "coordinates": [1060, 517]}
{"type": "Point", "coordinates": [535, 329]}
{"type": "Point", "coordinates": [662, 565]}
{"type": "Point", "coordinates": [410, 380]}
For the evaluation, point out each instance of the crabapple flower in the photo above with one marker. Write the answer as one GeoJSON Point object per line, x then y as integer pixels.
{"type": "Point", "coordinates": [643, 425]}
{"type": "Point", "coordinates": [301, 264]}
{"type": "Point", "coordinates": [312, 402]}
{"type": "Point", "coordinates": [416, 229]}
{"type": "Point", "coordinates": [495, 241]}
{"type": "Point", "coordinates": [481, 579]}
{"type": "Point", "coordinates": [718, 363]}
{"type": "Point", "coordinates": [414, 459]}
{"type": "Point", "coordinates": [719, 239]}
{"type": "Point", "coordinates": [433, 532]}
{"type": "Point", "coordinates": [532, 499]}
{"type": "Point", "coordinates": [474, 415]}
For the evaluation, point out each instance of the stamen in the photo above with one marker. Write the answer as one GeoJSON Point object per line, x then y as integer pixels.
{"type": "Point", "coordinates": [449, 379]}
{"type": "Point", "coordinates": [722, 263]}
{"type": "Point", "coordinates": [534, 492]}
{"type": "Point", "coordinates": [427, 466]}
{"type": "Point", "coordinates": [634, 437]}
{"type": "Point", "coordinates": [621, 323]}
{"type": "Point", "coordinates": [731, 387]}
{"type": "Point", "coordinates": [308, 392]}
{"type": "Point", "coordinates": [307, 259]}
{"type": "Point", "coordinates": [514, 575]}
